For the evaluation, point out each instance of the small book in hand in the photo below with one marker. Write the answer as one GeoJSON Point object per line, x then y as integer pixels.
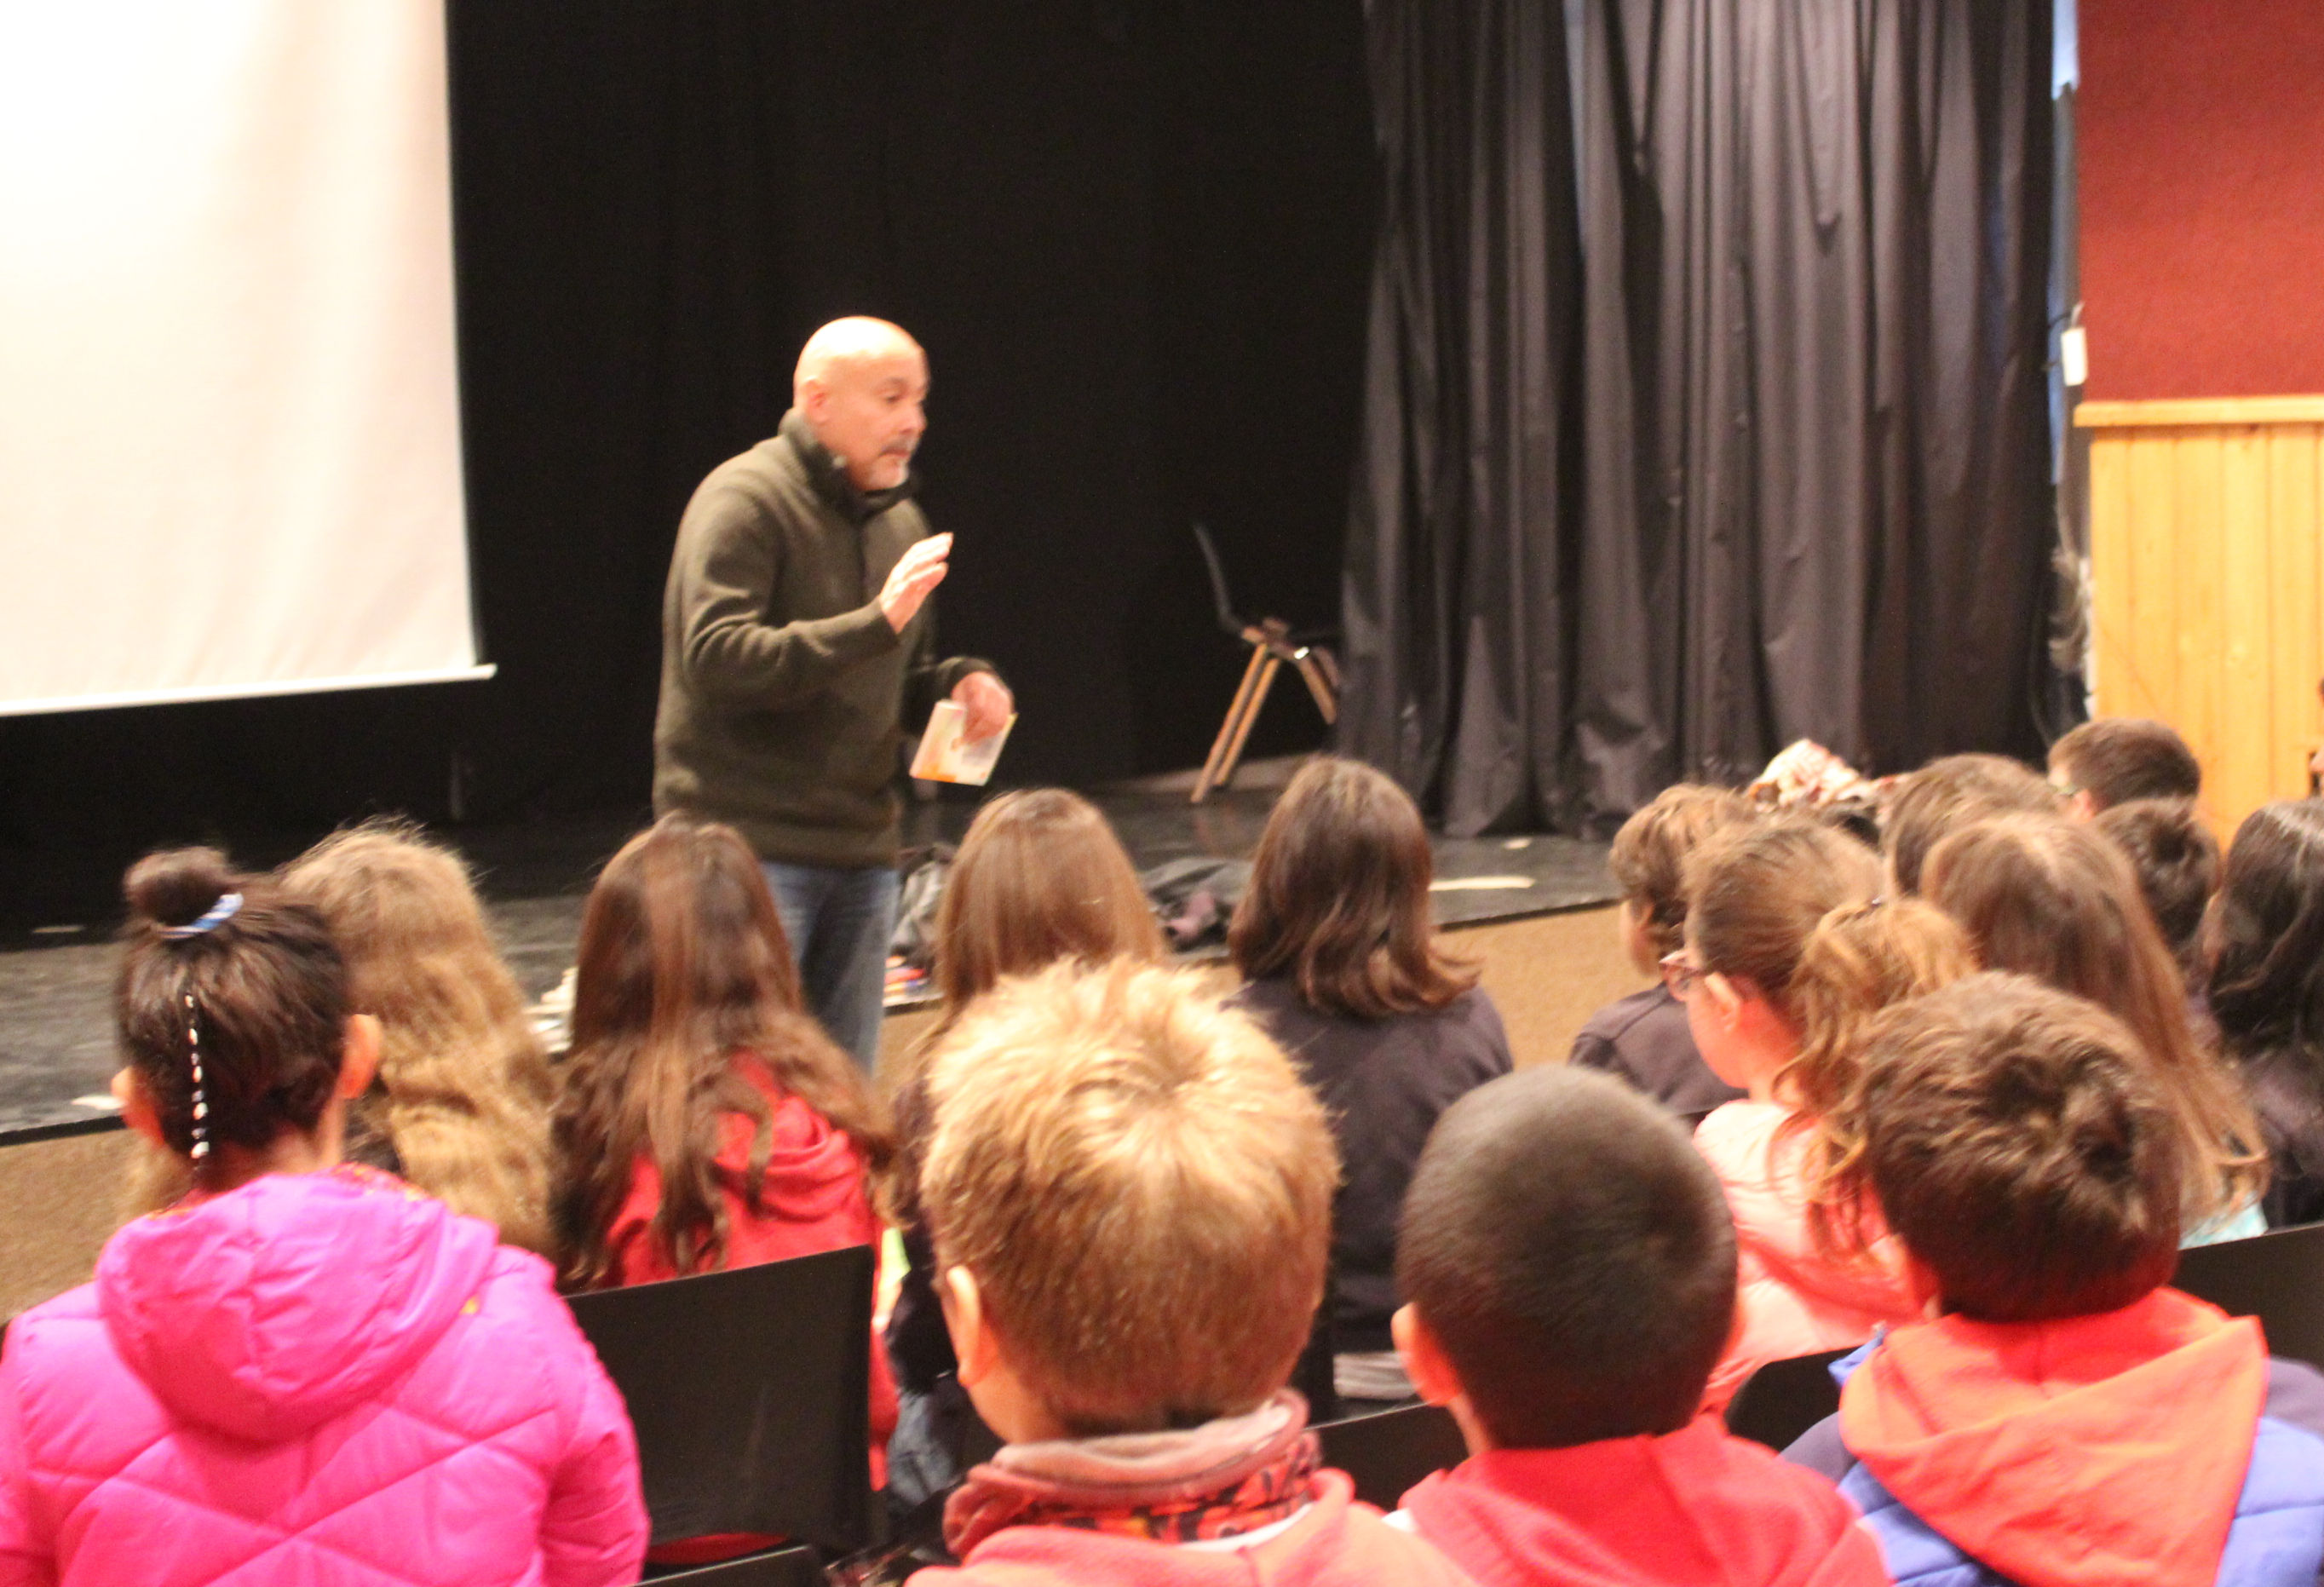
{"type": "Point", "coordinates": [945, 755]}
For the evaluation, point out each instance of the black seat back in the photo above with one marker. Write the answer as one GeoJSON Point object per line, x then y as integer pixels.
{"type": "Point", "coordinates": [1388, 1452]}
{"type": "Point", "coordinates": [1221, 601]}
{"type": "Point", "coordinates": [2277, 1278]}
{"type": "Point", "coordinates": [748, 1389]}
{"type": "Point", "coordinates": [1784, 1399]}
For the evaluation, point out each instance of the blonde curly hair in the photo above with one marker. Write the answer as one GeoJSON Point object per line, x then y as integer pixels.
{"type": "Point", "coordinates": [464, 1091]}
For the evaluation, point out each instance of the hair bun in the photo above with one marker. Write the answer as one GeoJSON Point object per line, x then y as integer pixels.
{"type": "Point", "coordinates": [176, 887]}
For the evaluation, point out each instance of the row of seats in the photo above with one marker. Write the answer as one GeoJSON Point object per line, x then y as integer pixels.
{"type": "Point", "coordinates": [747, 1390]}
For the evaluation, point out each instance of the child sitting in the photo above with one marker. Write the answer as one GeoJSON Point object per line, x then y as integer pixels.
{"type": "Point", "coordinates": [1572, 1272]}
{"type": "Point", "coordinates": [1131, 1194]}
{"type": "Point", "coordinates": [2177, 861]}
{"type": "Point", "coordinates": [1040, 877]}
{"type": "Point", "coordinates": [1643, 1038]}
{"type": "Point", "coordinates": [2266, 981]}
{"type": "Point", "coordinates": [2067, 1420]}
{"type": "Point", "coordinates": [1345, 970]}
{"type": "Point", "coordinates": [2117, 759]}
{"type": "Point", "coordinates": [2052, 898]}
{"type": "Point", "coordinates": [1787, 957]}
{"type": "Point", "coordinates": [1949, 793]}
{"type": "Point", "coordinates": [706, 1122]}
{"type": "Point", "coordinates": [304, 1372]}
{"type": "Point", "coordinates": [462, 1102]}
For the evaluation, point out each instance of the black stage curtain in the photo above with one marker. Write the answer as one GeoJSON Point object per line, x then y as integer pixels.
{"type": "Point", "coordinates": [1811, 491]}
{"type": "Point", "coordinates": [1459, 629]}
{"type": "Point", "coordinates": [1132, 233]}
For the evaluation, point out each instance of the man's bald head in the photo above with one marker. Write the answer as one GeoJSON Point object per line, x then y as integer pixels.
{"type": "Point", "coordinates": [861, 385]}
{"type": "Point", "coordinates": [842, 349]}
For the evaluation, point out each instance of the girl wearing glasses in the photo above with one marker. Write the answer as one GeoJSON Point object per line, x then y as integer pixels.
{"type": "Point", "coordinates": [1790, 952]}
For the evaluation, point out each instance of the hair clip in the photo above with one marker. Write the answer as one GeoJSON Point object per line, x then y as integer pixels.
{"type": "Point", "coordinates": [225, 909]}
{"type": "Point", "coordinates": [201, 1130]}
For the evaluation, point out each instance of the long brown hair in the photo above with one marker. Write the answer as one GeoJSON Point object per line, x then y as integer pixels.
{"type": "Point", "coordinates": [2055, 901]}
{"type": "Point", "coordinates": [1040, 877]}
{"type": "Point", "coordinates": [464, 1079]}
{"type": "Point", "coordinates": [1338, 899]}
{"type": "Point", "coordinates": [684, 969]}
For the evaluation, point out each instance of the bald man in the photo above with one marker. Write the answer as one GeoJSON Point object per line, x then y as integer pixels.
{"type": "Point", "coordinates": [796, 633]}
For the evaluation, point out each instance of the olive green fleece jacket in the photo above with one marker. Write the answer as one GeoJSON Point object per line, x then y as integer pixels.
{"type": "Point", "coordinates": [783, 687]}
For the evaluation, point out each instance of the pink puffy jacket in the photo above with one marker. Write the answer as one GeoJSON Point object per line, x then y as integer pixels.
{"type": "Point", "coordinates": [316, 1380]}
{"type": "Point", "coordinates": [1792, 1298]}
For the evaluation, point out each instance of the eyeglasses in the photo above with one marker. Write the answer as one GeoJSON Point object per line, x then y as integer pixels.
{"type": "Point", "coordinates": [1680, 974]}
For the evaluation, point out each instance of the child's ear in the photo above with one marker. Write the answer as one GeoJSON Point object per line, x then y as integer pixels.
{"type": "Point", "coordinates": [358, 1056]}
{"type": "Point", "coordinates": [137, 1110]}
{"type": "Point", "coordinates": [1423, 1358]}
{"type": "Point", "coordinates": [973, 1341]}
{"type": "Point", "coordinates": [1432, 1374]}
{"type": "Point", "coordinates": [1726, 997]}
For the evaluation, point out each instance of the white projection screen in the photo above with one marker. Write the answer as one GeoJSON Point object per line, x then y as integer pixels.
{"type": "Point", "coordinates": [229, 423]}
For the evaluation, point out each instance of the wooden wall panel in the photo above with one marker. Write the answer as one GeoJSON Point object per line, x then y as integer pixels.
{"type": "Point", "coordinates": [2207, 610]}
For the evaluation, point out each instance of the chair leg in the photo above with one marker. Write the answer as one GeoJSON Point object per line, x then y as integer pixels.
{"type": "Point", "coordinates": [1320, 684]}
{"type": "Point", "coordinates": [1250, 717]}
{"type": "Point", "coordinates": [1216, 768]}
{"type": "Point", "coordinates": [1330, 664]}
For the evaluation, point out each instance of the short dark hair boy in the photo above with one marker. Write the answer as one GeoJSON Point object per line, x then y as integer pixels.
{"type": "Point", "coordinates": [2065, 1405]}
{"type": "Point", "coordinates": [2117, 759]}
{"type": "Point", "coordinates": [1571, 1273]}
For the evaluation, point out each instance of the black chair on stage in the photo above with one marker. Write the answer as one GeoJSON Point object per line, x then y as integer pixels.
{"type": "Point", "coordinates": [2277, 1278]}
{"type": "Point", "coordinates": [1784, 1399]}
{"type": "Point", "coordinates": [1388, 1451]}
{"type": "Point", "coordinates": [1273, 645]}
{"type": "Point", "coordinates": [785, 1568]}
{"type": "Point", "coordinates": [748, 1389]}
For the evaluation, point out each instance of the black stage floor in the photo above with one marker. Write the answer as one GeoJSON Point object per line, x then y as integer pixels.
{"type": "Point", "coordinates": [56, 976]}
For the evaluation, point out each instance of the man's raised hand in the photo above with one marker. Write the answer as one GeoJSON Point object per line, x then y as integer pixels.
{"type": "Point", "coordinates": [920, 570]}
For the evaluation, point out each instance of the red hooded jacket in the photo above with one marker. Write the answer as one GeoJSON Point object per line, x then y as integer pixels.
{"type": "Point", "coordinates": [1695, 1507]}
{"type": "Point", "coordinates": [2080, 1452]}
{"type": "Point", "coordinates": [814, 1198]}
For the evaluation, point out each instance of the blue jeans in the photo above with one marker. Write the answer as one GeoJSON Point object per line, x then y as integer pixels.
{"type": "Point", "coordinates": [839, 919]}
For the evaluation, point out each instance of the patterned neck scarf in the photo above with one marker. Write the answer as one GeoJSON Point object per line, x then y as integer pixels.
{"type": "Point", "coordinates": [1221, 1480]}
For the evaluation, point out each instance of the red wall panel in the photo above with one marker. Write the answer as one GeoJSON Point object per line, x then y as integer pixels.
{"type": "Point", "coordinates": [2201, 132]}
